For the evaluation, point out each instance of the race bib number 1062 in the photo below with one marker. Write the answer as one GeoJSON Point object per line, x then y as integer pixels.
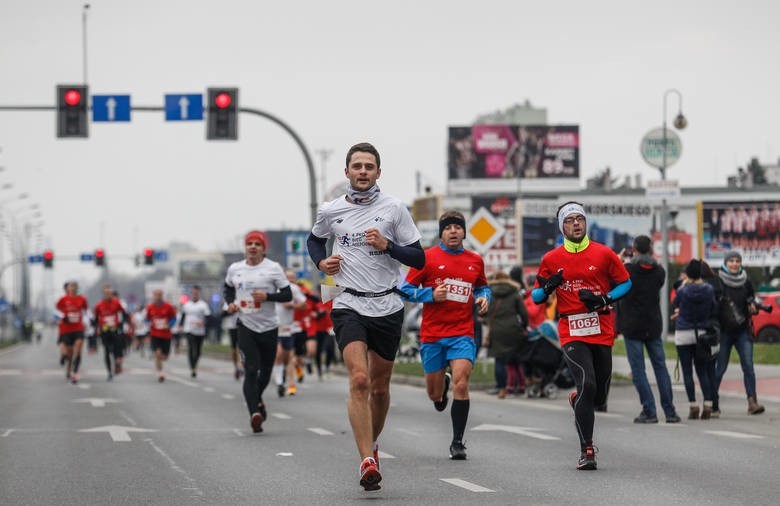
{"type": "Point", "coordinates": [584, 324]}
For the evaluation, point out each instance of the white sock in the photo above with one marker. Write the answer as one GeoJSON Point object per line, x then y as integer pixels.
{"type": "Point", "coordinates": [278, 372]}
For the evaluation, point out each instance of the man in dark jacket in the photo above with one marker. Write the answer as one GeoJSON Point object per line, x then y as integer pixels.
{"type": "Point", "coordinates": [639, 320]}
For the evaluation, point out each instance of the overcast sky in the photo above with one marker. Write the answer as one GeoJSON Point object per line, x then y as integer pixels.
{"type": "Point", "coordinates": [393, 73]}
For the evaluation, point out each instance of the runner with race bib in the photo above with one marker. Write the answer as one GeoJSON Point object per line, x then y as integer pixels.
{"type": "Point", "coordinates": [581, 272]}
{"type": "Point", "coordinates": [453, 280]}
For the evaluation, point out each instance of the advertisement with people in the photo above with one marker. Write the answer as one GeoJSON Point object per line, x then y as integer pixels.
{"type": "Point", "coordinates": [750, 227]}
{"type": "Point", "coordinates": [513, 151]}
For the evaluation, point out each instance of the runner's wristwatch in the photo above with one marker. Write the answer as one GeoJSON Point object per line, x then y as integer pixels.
{"type": "Point", "coordinates": [390, 246]}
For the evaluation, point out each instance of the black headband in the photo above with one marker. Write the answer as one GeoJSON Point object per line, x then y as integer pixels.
{"type": "Point", "coordinates": [452, 220]}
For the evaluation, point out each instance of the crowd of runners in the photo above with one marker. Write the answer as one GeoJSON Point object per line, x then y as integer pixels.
{"type": "Point", "coordinates": [279, 327]}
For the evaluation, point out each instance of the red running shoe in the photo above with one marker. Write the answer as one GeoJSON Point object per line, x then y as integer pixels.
{"type": "Point", "coordinates": [369, 474]}
{"type": "Point", "coordinates": [257, 422]}
{"type": "Point", "coordinates": [587, 460]}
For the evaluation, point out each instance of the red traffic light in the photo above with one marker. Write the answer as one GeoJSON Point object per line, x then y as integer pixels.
{"type": "Point", "coordinates": [148, 252]}
{"type": "Point", "coordinates": [72, 97]}
{"type": "Point", "coordinates": [99, 253]}
{"type": "Point", "coordinates": [223, 100]}
{"type": "Point", "coordinates": [48, 255]}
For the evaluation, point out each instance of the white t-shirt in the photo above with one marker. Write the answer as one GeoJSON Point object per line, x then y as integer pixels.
{"type": "Point", "coordinates": [230, 320]}
{"type": "Point", "coordinates": [195, 314]}
{"type": "Point", "coordinates": [363, 267]}
{"type": "Point", "coordinates": [267, 276]}
{"type": "Point", "coordinates": [140, 325]}
{"type": "Point", "coordinates": [287, 324]}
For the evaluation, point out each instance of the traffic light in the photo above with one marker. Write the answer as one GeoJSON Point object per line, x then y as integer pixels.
{"type": "Point", "coordinates": [72, 109]}
{"type": "Point", "coordinates": [100, 257]}
{"type": "Point", "coordinates": [48, 259]}
{"type": "Point", "coordinates": [222, 114]}
{"type": "Point", "coordinates": [148, 256]}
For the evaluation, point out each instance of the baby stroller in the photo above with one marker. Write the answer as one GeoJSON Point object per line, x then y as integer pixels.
{"type": "Point", "coordinates": [544, 361]}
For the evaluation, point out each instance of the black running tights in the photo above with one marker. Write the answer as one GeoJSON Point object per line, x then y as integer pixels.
{"type": "Point", "coordinates": [591, 366]}
{"type": "Point", "coordinates": [194, 345]}
{"type": "Point", "coordinates": [258, 352]}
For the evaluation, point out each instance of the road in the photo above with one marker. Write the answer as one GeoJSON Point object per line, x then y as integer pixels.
{"type": "Point", "coordinates": [134, 441]}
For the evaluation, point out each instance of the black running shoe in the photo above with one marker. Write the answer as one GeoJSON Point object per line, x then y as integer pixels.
{"type": "Point", "coordinates": [263, 411]}
{"type": "Point", "coordinates": [256, 421]}
{"type": "Point", "coordinates": [442, 404]}
{"type": "Point", "coordinates": [457, 450]}
{"type": "Point", "coordinates": [587, 461]}
{"type": "Point", "coordinates": [281, 390]}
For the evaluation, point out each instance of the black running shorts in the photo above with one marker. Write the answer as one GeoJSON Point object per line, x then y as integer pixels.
{"type": "Point", "coordinates": [70, 338]}
{"type": "Point", "coordinates": [163, 344]}
{"type": "Point", "coordinates": [300, 343]}
{"type": "Point", "coordinates": [382, 334]}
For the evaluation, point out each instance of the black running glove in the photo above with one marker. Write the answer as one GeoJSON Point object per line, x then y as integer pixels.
{"type": "Point", "coordinates": [592, 301]}
{"type": "Point", "coordinates": [550, 284]}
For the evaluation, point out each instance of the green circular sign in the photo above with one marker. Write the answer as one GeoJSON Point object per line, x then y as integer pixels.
{"type": "Point", "coordinates": [652, 148]}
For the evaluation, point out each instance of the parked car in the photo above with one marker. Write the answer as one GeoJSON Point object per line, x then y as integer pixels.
{"type": "Point", "coordinates": [766, 325]}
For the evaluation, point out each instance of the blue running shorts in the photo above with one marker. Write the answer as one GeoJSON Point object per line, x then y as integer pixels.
{"type": "Point", "coordinates": [437, 355]}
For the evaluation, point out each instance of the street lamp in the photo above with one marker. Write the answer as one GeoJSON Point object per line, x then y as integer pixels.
{"type": "Point", "coordinates": [680, 122]}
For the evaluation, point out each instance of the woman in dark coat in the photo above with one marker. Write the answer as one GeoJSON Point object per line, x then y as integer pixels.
{"type": "Point", "coordinates": [507, 320]}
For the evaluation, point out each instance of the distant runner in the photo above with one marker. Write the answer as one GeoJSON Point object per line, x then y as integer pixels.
{"type": "Point", "coordinates": [161, 316]}
{"type": "Point", "coordinates": [71, 313]}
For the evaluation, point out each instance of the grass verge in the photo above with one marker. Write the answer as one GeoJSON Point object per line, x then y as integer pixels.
{"type": "Point", "coordinates": [763, 353]}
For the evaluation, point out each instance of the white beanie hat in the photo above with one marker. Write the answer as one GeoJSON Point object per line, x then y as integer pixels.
{"type": "Point", "coordinates": [567, 210]}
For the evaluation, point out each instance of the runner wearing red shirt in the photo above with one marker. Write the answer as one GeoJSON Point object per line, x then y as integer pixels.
{"type": "Point", "coordinates": [70, 313]}
{"type": "Point", "coordinates": [582, 273]}
{"type": "Point", "coordinates": [109, 316]}
{"type": "Point", "coordinates": [453, 280]}
{"type": "Point", "coordinates": [323, 326]}
{"type": "Point", "coordinates": [161, 316]}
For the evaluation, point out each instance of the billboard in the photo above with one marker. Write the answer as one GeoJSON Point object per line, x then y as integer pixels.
{"type": "Point", "coordinates": [750, 227]}
{"type": "Point", "coordinates": [513, 152]}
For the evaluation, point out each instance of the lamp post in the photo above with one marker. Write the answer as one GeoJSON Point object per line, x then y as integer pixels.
{"type": "Point", "coordinates": [680, 122]}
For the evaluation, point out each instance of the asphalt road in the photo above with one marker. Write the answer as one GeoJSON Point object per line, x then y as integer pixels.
{"type": "Point", "coordinates": [134, 441]}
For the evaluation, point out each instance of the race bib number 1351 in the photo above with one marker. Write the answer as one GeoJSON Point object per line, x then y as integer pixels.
{"type": "Point", "coordinates": [458, 291]}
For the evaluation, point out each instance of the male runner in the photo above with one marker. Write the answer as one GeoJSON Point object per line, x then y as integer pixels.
{"type": "Point", "coordinates": [193, 321]}
{"type": "Point", "coordinates": [161, 316]}
{"type": "Point", "coordinates": [140, 331]}
{"type": "Point", "coordinates": [582, 273]}
{"type": "Point", "coordinates": [453, 280]}
{"type": "Point", "coordinates": [70, 312]}
{"type": "Point", "coordinates": [252, 286]}
{"type": "Point", "coordinates": [374, 234]}
{"type": "Point", "coordinates": [109, 316]}
{"type": "Point", "coordinates": [289, 328]}
{"type": "Point", "coordinates": [230, 323]}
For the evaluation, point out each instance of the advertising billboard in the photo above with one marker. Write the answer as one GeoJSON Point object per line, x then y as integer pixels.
{"type": "Point", "coordinates": [513, 151]}
{"type": "Point", "coordinates": [750, 227]}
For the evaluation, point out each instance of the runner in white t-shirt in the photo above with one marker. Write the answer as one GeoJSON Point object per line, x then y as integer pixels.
{"type": "Point", "coordinates": [251, 288]}
{"type": "Point", "coordinates": [284, 367]}
{"type": "Point", "coordinates": [193, 322]}
{"type": "Point", "coordinates": [374, 234]}
{"type": "Point", "coordinates": [230, 323]}
{"type": "Point", "coordinates": [140, 330]}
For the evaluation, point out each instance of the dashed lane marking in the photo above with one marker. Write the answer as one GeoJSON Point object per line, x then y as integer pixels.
{"type": "Point", "coordinates": [513, 429]}
{"type": "Point", "coordinates": [736, 435]}
{"type": "Point", "coordinates": [284, 454]}
{"type": "Point", "coordinates": [281, 416]}
{"type": "Point", "coordinates": [471, 487]}
{"type": "Point", "coordinates": [7, 433]}
{"type": "Point", "coordinates": [383, 455]}
{"type": "Point", "coordinates": [228, 396]}
{"type": "Point", "coordinates": [192, 486]}
{"type": "Point", "coordinates": [183, 381]}
{"type": "Point", "coordinates": [238, 433]}
{"type": "Point", "coordinates": [320, 431]}
{"type": "Point", "coordinates": [84, 386]}
{"type": "Point", "coordinates": [208, 389]}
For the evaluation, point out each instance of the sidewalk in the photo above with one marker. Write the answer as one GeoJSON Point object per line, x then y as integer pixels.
{"type": "Point", "coordinates": [767, 378]}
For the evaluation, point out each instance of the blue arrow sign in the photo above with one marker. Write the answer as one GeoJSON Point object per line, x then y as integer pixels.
{"type": "Point", "coordinates": [87, 257]}
{"type": "Point", "coordinates": [161, 255]}
{"type": "Point", "coordinates": [110, 107]}
{"type": "Point", "coordinates": [35, 259]}
{"type": "Point", "coordinates": [187, 107]}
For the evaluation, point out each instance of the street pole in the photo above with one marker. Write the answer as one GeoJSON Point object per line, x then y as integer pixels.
{"type": "Point", "coordinates": [84, 40]}
{"type": "Point", "coordinates": [664, 221]}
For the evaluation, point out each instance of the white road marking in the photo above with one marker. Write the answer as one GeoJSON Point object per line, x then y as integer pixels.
{"type": "Point", "coordinates": [383, 455]}
{"type": "Point", "coordinates": [540, 404]}
{"type": "Point", "coordinates": [281, 416]}
{"type": "Point", "coordinates": [7, 433]}
{"type": "Point", "coordinates": [238, 433]}
{"type": "Point", "coordinates": [84, 386]}
{"type": "Point", "coordinates": [523, 431]}
{"type": "Point", "coordinates": [183, 381]}
{"type": "Point", "coordinates": [736, 435]}
{"type": "Point", "coordinates": [127, 417]}
{"type": "Point", "coordinates": [10, 350]}
{"type": "Point", "coordinates": [208, 389]}
{"type": "Point", "coordinates": [409, 432]}
{"type": "Point", "coordinates": [10, 372]}
{"type": "Point", "coordinates": [284, 454]}
{"type": "Point", "coordinates": [228, 396]}
{"type": "Point", "coordinates": [471, 487]}
{"type": "Point", "coordinates": [320, 431]}
{"type": "Point", "coordinates": [118, 433]}
{"type": "Point", "coordinates": [96, 402]}
{"type": "Point", "coordinates": [601, 414]}
{"type": "Point", "coordinates": [190, 481]}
